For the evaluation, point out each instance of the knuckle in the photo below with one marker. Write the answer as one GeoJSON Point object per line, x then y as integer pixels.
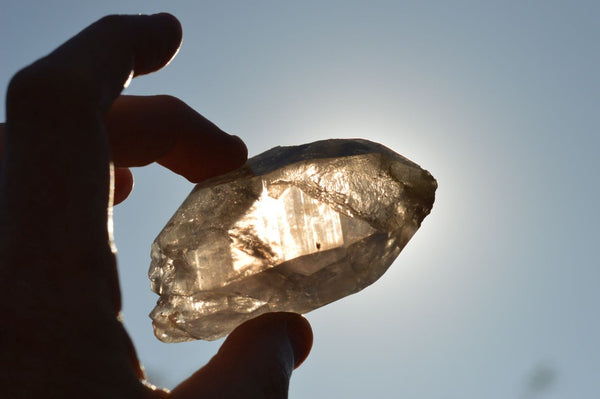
{"type": "Point", "coordinates": [171, 101]}
{"type": "Point", "coordinates": [109, 21]}
{"type": "Point", "coordinates": [114, 25]}
{"type": "Point", "coordinates": [29, 90]}
{"type": "Point", "coordinates": [45, 83]}
{"type": "Point", "coordinates": [173, 105]}
{"type": "Point", "coordinates": [22, 83]}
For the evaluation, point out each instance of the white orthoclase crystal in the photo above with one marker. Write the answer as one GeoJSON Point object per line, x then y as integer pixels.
{"type": "Point", "coordinates": [294, 229]}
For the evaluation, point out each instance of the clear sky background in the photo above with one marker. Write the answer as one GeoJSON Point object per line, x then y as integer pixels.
{"type": "Point", "coordinates": [497, 294]}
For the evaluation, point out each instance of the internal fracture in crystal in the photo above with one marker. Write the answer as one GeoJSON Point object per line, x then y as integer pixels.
{"type": "Point", "coordinates": [294, 229]}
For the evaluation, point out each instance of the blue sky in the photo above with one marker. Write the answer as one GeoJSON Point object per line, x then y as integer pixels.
{"type": "Point", "coordinates": [497, 295]}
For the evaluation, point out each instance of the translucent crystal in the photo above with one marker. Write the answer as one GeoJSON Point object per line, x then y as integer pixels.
{"type": "Point", "coordinates": [294, 229]}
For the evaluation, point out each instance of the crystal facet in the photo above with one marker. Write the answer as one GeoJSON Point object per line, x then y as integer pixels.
{"type": "Point", "coordinates": [294, 229]}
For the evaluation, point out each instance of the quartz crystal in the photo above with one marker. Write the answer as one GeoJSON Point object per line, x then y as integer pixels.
{"type": "Point", "coordinates": [294, 229]}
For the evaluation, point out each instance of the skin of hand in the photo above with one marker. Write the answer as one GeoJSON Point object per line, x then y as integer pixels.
{"type": "Point", "coordinates": [67, 132]}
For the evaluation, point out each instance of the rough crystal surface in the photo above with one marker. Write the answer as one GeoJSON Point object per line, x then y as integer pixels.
{"type": "Point", "coordinates": [294, 229]}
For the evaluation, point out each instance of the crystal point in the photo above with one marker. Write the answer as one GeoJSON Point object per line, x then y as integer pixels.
{"type": "Point", "coordinates": [294, 229]}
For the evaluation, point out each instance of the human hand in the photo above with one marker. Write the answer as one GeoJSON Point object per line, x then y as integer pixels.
{"type": "Point", "coordinates": [66, 128]}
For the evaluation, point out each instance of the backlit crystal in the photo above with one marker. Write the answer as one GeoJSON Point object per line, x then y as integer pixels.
{"type": "Point", "coordinates": [294, 229]}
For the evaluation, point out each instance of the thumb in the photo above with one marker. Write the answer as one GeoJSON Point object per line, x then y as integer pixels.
{"type": "Point", "coordinates": [256, 360]}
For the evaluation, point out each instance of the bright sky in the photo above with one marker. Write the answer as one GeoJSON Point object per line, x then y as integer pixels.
{"type": "Point", "coordinates": [497, 295]}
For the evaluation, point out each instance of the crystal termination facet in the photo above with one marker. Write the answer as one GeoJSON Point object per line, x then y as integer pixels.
{"type": "Point", "coordinates": [294, 229]}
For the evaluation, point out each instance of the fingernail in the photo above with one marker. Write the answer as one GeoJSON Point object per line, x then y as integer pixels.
{"type": "Point", "coordinates": [301, 337]}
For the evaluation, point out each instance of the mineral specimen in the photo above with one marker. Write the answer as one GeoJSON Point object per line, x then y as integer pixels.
{"type": "Point", "coordinates": [294, 229]}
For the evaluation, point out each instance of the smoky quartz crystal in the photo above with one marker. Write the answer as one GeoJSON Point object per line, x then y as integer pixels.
{"type": "Point", "coordinates": [294, 229]}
